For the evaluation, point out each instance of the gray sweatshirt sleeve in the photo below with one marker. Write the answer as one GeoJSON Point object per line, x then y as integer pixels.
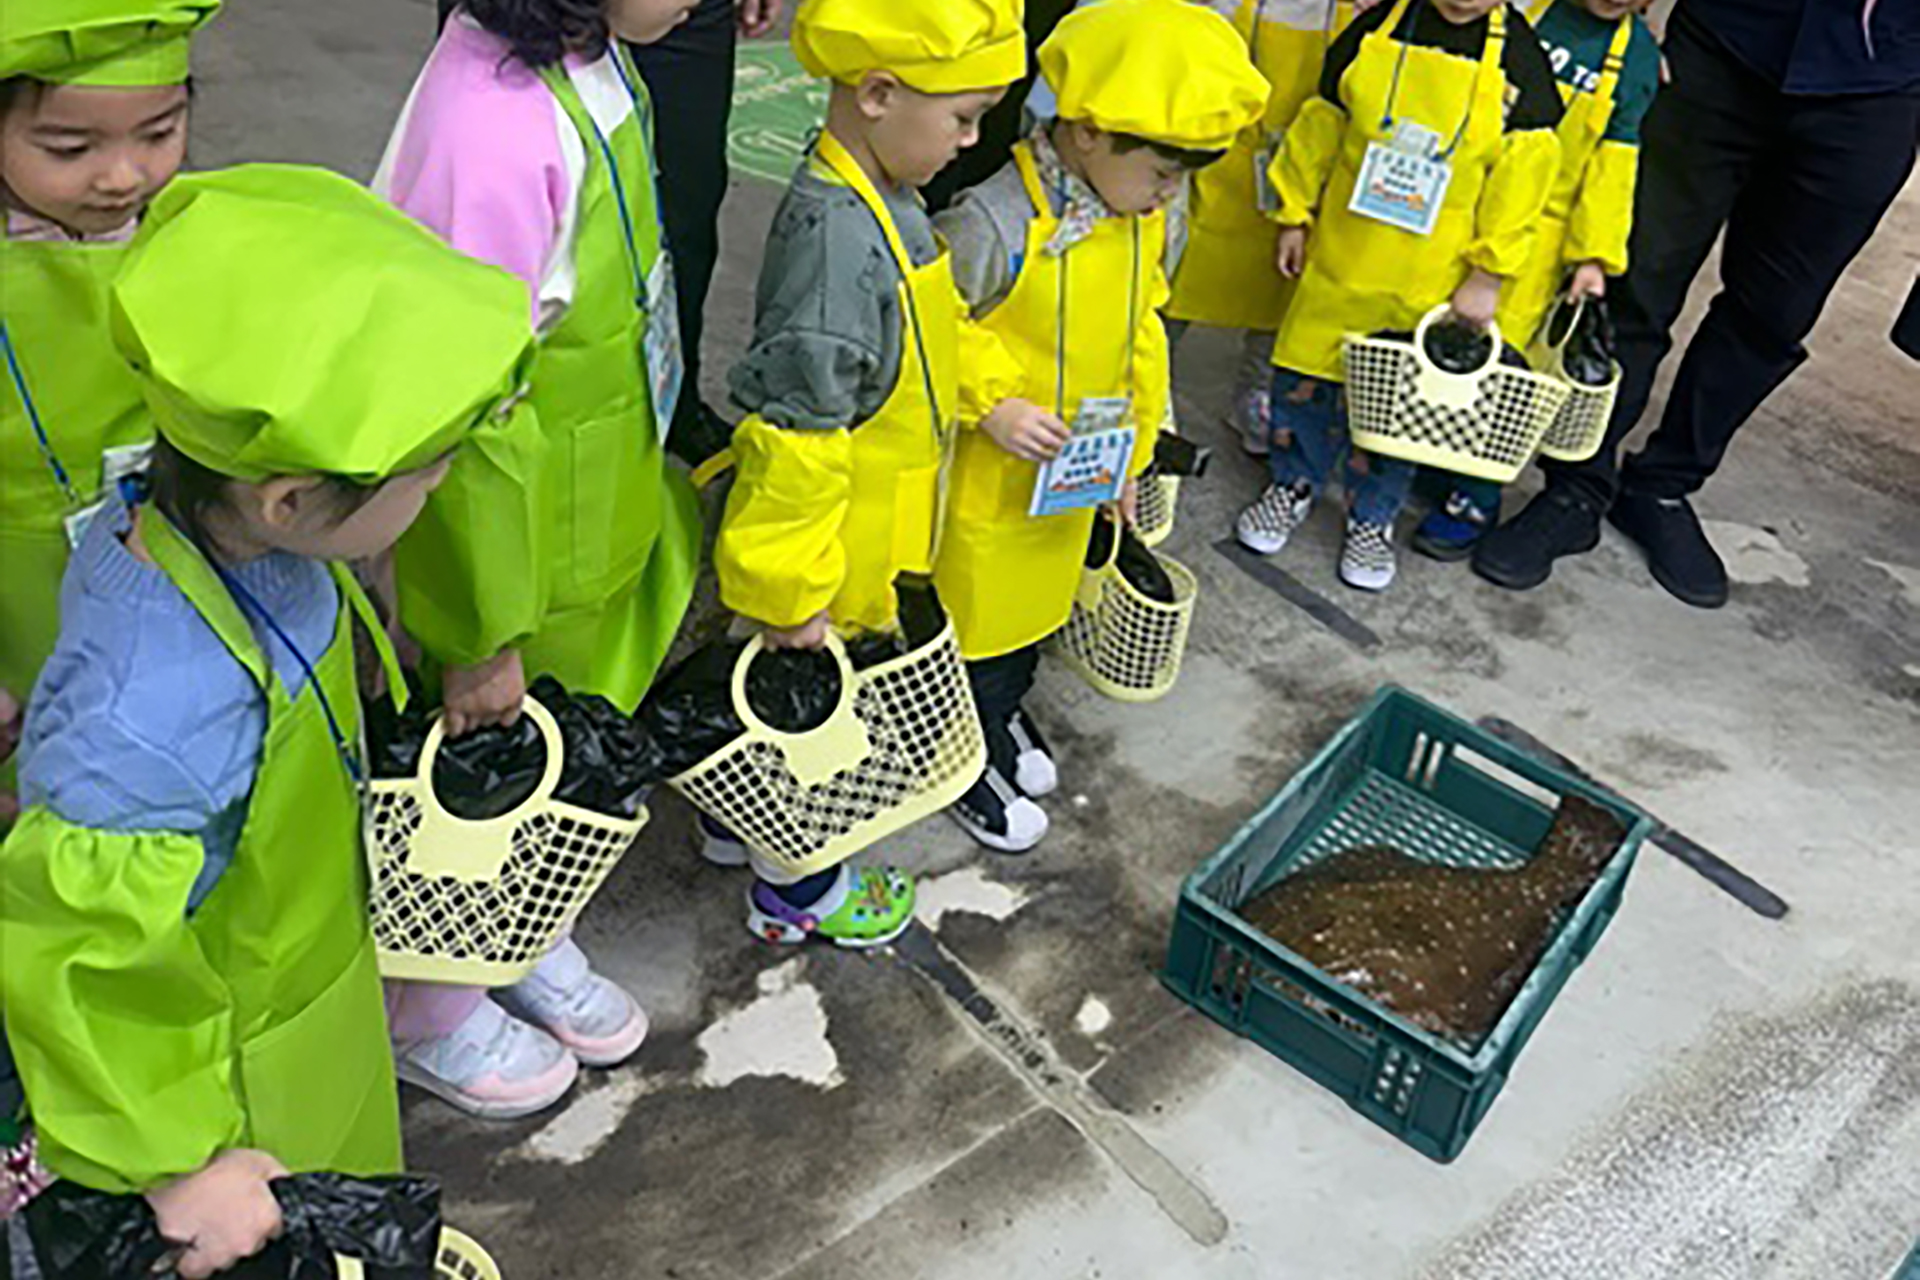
{"type": "Point", "coordinates": [826, 343]}
{"type": "Point", "coordinates": [986, 230]}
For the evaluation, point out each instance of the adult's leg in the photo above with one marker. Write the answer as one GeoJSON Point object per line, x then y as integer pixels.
{"type": "Point", "coordinates": [690, 75]}
{"type": "Point", "coordinates": [1810, 210]}
{"type": "Point", "coordinates": [1700, 145]}
{"type": "Point", "coordinates": [1000, 128]}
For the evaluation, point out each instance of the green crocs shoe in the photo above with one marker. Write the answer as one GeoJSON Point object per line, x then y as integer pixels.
{"type": "Point", "coordinates": [866, 908]}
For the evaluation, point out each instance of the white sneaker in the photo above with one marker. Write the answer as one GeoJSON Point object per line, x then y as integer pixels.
{"type": "Point", "coordinates": [1367, 561]}
{"type": "Point", "coordinates": [1264, 527]}
{"type": "Point", "coordinates": [998, 816]}
{"type": "Point", "coordinates": [600, 1023]}
{"type": "Point", "coordinates": [1034, 771]}
{"type": "Point", "coordinates": [493, 1066]}
{"type": "Point", "coordinates": [720, 846]}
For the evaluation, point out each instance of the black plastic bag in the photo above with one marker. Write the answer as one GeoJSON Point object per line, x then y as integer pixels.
{"type": "Point", "coordinates": [1460, 348]}
{"type": "Point", "coordinates": [1178, 456]}
{"type": "Point", "coordinates": [1906, 330]}
{"type": "Point", "coordinates": [610, 762]}
{"type": "Point", "coordinates": [392, 1225]}
{"type": "Point", "coordinates": [1136, 562]}
{"type": "Point", "coordinates": [690, 713]}
{"type": "Point", "coordinates": [1588, 355]}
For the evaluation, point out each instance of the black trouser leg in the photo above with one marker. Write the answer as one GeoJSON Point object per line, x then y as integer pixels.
{"type": "Point", "coordinates": [690, 75]}
{"type": "Point", "coordinates": [1699, 145]}
{"type": "Point", "coordinates": [1000, 685]}
{"type": "Point", "coordinates": [1810, 209]}
{"type": "Point", "coordinates": [1000, 128]}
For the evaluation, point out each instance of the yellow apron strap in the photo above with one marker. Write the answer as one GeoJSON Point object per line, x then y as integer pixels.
{"type": "Point", "coordinates": [837, 158]}
{"type": "Point", "coordinates": [1603, 93]}
{"type": "Point", "coordinates": [1030, 175]}
{"type": "Point", "coordinates": [713, 468]}
{"type": "Point", "coordinates": [200, 582]}
{"type": "Point", "coordinates": [356, 598]}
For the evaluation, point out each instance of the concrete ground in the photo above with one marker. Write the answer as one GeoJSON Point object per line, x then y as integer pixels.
{"type": "Point", "coordinates": [1714, 1096]}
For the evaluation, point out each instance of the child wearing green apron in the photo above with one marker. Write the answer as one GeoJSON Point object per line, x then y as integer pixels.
{"type": "Point", "coordinates": [569, 548]}
{"type": "Point", "coordinates": [1412, 179]}
{"type": "Point", "coordinates": [852, 379]}
{"type": "Point", "coordinates": [1608, 66]}
{"type": "Point", "coordinates": [93, 123]}
{"type": "Point", "coordinates": [190, 984]}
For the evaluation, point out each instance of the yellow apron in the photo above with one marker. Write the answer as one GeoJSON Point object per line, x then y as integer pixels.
{"type": "Point", "coordinates": [1362, 275]}
{"type": "Point", "coordinates": [1594, 187]}
{"type": "Point", "coordinates": [63, 378]}
{"type": "Point", "coordinates": [828, 519]}
{"type": "Point", "coordinates": [1226, 275]}
{"type": "Point", "coordinates": [1073, 325]}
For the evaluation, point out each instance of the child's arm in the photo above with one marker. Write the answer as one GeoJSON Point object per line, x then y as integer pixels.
{"type": "Point", "coordinates": [825, 355]}
{"type": "Point", "coordinates": [1506, 219]}
{"type": "Point", "coordinates": [120, 1026]}
{"type": "Point", "coordinates": [1602, 216]}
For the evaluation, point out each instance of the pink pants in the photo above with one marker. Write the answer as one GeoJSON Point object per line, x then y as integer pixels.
{"type": "Point", "coordinates": [418, 1011]}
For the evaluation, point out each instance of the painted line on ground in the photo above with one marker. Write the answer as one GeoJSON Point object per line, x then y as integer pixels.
{"type": "Point", "coordinates": [1030, 1057]}
{"type": "Point", "coordinates": [1301, 596]}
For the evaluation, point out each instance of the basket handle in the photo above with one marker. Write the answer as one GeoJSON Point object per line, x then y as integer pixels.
{"type": "Point", "coordinates": [1432, 318]}
{"type": "Point", "coordinates": [474, 849]}
{"type": "Point", "coordinates": [814, 755]}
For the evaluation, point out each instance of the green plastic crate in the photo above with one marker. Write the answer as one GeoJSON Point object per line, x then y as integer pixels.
{"type": "Point", "coordinates": [1911, 1269]}
{"type": "Point", "coordinates": [1407, 774]}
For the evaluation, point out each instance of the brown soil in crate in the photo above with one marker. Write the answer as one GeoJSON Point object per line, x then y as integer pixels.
{"type": "Point", "coordinates": [1447, 948]}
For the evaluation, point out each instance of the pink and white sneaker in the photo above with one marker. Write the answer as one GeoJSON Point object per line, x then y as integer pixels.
{"type": "Point", "coordinates": [493, 1066]}
{"type": "Point", "coordinates": [601, 1024]}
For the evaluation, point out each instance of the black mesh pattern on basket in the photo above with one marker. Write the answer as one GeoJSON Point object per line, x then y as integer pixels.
{"type": "Point", "coordinates": [925, 748]}
{"type": "Point", "coordinates": [1125, 645]}
{"type": "Point", "coordinates": [560, 858]}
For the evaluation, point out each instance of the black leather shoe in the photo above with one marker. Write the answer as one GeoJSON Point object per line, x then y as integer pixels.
{"type": "Point", "coordinates": [1519, 555]}
{"type": "Point", "coordinates": [1682, 559]}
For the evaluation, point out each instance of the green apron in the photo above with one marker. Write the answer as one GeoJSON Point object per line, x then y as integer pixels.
{"type": "Point", "coordinates": [257, 1023]}
{"type": "Point", "coordinates": [53, 301]}
{"type": "Point", "coordinates": [600, 595]}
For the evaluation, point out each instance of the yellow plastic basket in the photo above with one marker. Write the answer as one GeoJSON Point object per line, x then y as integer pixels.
{"type": "Point", "coordinates": [480, 902]}
{"type": "Point", "coordinates": [1153, 516]}
{"type": "Point", "coordinates": [1581, 426]}
{"type": "Point", "coordinates": [460, 1259]}
{"type": "Point", "coordinates": [904, 743]}
{"type": "Point", "coordinates": [1125, 645]}
{"type": "Point", "coordinates": [1488, 423]}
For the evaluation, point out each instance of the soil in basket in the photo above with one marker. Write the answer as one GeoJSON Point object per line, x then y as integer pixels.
{"type": "Point", "coordinates": [1447, 948]}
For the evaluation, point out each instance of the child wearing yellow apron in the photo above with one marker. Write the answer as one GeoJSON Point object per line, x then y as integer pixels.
{"type": "Point", "coordinates": [1226, 278]}
{"type": "Point", "coordinates": [1608, 66]}
{"type": "Point", "coordinates": [93, 104]}
{"type": "Point", "coordinates": [851, 383]}
{"type": "Point", "coordinates": [1059, 257]}
{"type": "Point", "coordinates": [1454, 98]}
{"type": "Point", "coordinates": [190, 984]}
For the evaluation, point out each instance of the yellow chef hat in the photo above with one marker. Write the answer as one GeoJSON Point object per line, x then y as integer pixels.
{"type": "Point", "coordinates": [118, 44]}
{"type": "Point", "coordinates": [1169, 71]}
{"type": "Point", "coordinates": [935, 46]}
{"type": "Point", "coordinates": [285, 321]}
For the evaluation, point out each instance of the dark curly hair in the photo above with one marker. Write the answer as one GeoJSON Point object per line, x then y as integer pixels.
{"type": "Point", "coordinates": [544, 31]}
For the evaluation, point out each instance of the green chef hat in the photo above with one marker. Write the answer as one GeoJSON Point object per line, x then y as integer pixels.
{"type": "Point", "coordinates": [116, 44]}
{"type": "Point", "coordinates": [285, 321]}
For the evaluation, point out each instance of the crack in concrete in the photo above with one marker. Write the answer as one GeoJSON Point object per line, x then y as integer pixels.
{"type": "Point", "coordinates": [1183, 1200]}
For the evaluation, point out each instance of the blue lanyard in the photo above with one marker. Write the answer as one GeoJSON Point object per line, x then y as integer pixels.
{"type": "Point", "coordinates": [348, 756]}
{"type": "Point", "coordinates": [644, 115]}
{"type": "Point", "coordinates": [33, 417]}
{"type": "Point", "coordinates": [1387, 121]}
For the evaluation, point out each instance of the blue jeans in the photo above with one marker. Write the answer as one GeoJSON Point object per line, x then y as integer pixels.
{"type": "Point", "coordinates": [1310, 439]}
